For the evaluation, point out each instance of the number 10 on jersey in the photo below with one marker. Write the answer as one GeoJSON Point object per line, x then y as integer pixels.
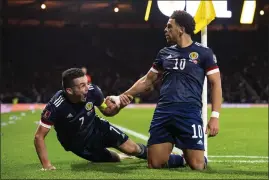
{"type": "Point", "coordinates": [182, 64]}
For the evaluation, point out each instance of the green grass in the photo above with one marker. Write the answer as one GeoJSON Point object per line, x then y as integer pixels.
{"type": "Point", "coordinates": [242, 132]}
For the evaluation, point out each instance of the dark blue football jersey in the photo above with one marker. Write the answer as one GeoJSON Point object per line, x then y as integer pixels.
{"type": "Point", "coordinates": [184, 70]}
{"type": "Point", "coordinates": [73, 123]}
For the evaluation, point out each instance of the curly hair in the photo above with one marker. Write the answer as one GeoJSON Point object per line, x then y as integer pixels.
{"type": "Point", "coordinates": [185, 20]}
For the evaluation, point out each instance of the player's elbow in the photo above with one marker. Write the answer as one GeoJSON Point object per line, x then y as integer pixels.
{"type": "Point", "coordinates": [216, 83]}
{"type": "Point", "coordinates": [39, 137]}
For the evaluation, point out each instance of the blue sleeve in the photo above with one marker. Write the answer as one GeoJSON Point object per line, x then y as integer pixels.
{"type": "Point", "coordinates": [98, 95]}
{"type": "Point", "coordinates": [210, 62]}
{"type": "Point", "coordinates": [158, 62]}
{"type": "Point", "coordinates": [48, 116]}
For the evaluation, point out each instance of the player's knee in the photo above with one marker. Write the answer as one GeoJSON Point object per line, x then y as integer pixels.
{"type": "Point", "coordinates": [197, 164]}
{"type": "Point", "coordinates": [114, 157]}
{"type": "Point", "coordinates": [155, 164]}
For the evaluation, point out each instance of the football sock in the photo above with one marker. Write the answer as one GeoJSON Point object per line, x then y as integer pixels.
{"type": "Point", "coordinates": [205, 162]}
{"type": "Point", "coordinates": [175, 161]}
{"type": "Point", "coordinates": [143, 153]}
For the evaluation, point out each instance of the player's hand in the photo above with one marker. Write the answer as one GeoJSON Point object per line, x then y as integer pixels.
{"type": "Point", "coordinates": [48, 168]}
{"type": "Point", "coordinates": [125, 100]}
{"type": "Point", "coordinates": [115, 100]}
{"type": "Point", "coordinates": [110, 103]}
{"type": "Point", "coordinates": [212, 127]}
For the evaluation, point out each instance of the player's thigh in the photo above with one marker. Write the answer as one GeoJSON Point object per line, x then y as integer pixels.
{"type": "Point", "coordinates": [160, 143]}
{"type": "Point", "coordinates": [98, 155]}
{"type": "Point", "coordinates": [189, 134]}
{"type": "Point", "coordinates": [113, 136]}
{"type": "Point", "coordinates": [158, 154]}
{"type": "Point", "coordinates": [188, 130]}
{"type": "Point", "coordinates": [159, 129]}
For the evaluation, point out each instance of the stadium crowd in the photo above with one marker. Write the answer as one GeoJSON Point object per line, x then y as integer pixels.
{"type": "Point", "coordinates": [115, 60]}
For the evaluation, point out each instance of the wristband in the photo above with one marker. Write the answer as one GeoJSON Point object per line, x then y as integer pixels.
{"type": "Point", "coordinates": [116, 100]}
{"type": "Point", "coordinates": [215, 114]}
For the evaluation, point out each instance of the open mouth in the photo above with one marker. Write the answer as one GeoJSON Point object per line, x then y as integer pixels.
{"type": "Point", "coordinates": [84, 97]}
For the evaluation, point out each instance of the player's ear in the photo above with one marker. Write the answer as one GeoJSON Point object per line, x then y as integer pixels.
{"type": "Point", "coordinates": [181, 30]}
{"type": "Point", "coordinates": [69, 90]}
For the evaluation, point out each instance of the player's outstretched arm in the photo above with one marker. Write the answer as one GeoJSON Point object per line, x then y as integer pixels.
{"type": "Point", "coordinates": [143, 84]}
{"type": "Point", "coordinates": [40, 147]}
{"type": "Point", "coordinates": [216, 92]}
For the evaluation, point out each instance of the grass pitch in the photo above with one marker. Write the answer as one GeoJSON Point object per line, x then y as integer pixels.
{"type": "Point", "coordinates": [240, 151]}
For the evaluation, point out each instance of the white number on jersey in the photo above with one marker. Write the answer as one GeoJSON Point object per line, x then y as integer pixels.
{"type": "Point", "coordinates": [82, 120]}
{"type": "Point", "coordinates": [175, 67]}
{"type": "Point", "coordinates": [182, 64]}
{"type": "Point", "coordinates": [112, 128]}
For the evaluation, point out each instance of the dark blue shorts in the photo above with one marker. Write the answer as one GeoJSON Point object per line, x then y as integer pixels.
{"type": "Point", "coordinates": [180, 125]}
{"type": "Point", "coordinates": [105, 136]}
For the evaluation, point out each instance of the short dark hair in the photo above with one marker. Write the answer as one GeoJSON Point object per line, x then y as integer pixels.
{"type": "Point", "coordinates": [69, 75]}
{"type": "Point", "coordinates": [184, 19]}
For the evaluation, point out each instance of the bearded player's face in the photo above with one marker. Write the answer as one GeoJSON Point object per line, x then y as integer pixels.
{"type": "Point", "coordinates": [172, 31]}
{"type": "Point", "coordinates": [80, 88]}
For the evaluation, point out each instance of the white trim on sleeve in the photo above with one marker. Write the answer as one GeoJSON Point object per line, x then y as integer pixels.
{"type": "Point", "coordinates": [213, 71]}
{"type": "Point", "coordinates": [154, 70]}
{"type": "Point", "coordinates": [44, 125]}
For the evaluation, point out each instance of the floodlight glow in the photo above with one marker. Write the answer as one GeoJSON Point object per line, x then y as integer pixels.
{"type": "Point", "coordinates": [248, 12]}
{"type": "Point", "coordinates": [261, 12]}
{"type": "Point", "coordinates": [148, 10]}
{"type": "Point", "coordinates": [43, 6]}
{"type": "Point", "coordinates": [219, 6]}
{"type": "Point", "coordinates": [168, 7]}
{"type": "Point", "coordinates": [116, 9]}
{"type": "Point", "coordinates": [221, 9]}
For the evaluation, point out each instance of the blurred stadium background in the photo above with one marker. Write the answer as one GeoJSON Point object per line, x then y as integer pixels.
{"type": "Point", "coordinates": [117, 48]}
{"type": "Point", "coordinates": [41, 38]}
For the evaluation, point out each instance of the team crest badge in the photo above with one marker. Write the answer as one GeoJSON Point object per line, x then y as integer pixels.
{"type": "Point", "coordinates": [193, 55]}
{"type": "Point", "coordinates": [89, 106]}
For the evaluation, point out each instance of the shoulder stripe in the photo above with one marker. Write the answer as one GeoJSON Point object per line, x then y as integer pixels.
{"type": "Point", "coordinates": [58, 101]}
{"type": "Point", "coordinates": [201, 45]}
{"type": "Point", "coordinates": [91, 87]}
